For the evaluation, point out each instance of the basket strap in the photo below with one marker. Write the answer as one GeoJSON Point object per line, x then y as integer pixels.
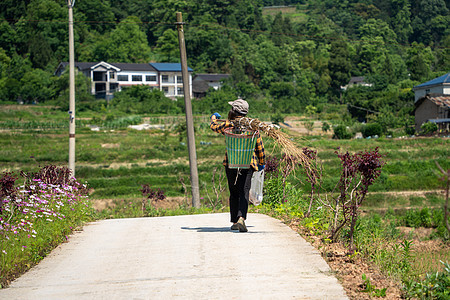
{"type": "Point", "coordinates": [237, 175]}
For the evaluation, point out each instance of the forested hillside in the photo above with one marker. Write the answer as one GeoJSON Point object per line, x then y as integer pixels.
{"type": "Point", "coordinates": [282, 61]}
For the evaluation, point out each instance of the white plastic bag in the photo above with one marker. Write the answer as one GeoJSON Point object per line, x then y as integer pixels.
{"type": "Point", "coordinates": [256, 189]}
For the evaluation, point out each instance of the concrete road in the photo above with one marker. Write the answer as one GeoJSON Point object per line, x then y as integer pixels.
{"type": "Point", "coordinates": [184, 257]}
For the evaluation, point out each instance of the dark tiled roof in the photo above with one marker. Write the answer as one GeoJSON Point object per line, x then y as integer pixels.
{"type": "Point", "coordinates": [439, 100]}
{"type": "Point", "coordinates": [212, 77]}
{"type": "Point", "coordinates": [133, 67]}
{"type": "Point", "coordinates": [121, 66]}
{"type": "Point", "coordinates": [442, 100]}
{"type": "Point", "coordinates": [79, 65]}
{"type": "Point", "coordinates": [200, 86]}
{"type": "Point", "coordinates": [444, 79]}
{"type": "Point", "coordinates": [356, 79]}
{"type": "Point", "coordinates": [161, 67]}
{"type": "Point", "coordinates": [84, 65]}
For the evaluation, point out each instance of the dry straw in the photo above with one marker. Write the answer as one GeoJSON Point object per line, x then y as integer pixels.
{"type": "Point", "coordinates": [293, 154]}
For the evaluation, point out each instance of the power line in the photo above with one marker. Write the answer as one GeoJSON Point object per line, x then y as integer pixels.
{"type": "Point", "coordinates": [362, 108]}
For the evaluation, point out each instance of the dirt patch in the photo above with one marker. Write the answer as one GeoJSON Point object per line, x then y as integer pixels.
{"type": "Point", "coordinates": [101, 204]}
{"type": "Point", "coordinates": [296, 127]}
{"type": "Point", "coordinates": [169, 203]}
{"type": "Point", "coordinates": [350, 269]}
{"type": "Point", "coordinates": [110, 146]}
{"type": "Point", "coordinates": [145, 163]}
{"type": "Point", "coordinates": [416, 234]}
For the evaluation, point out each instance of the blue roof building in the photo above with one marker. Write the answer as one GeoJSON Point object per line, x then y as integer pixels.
{"type": "Point", "coordinates": [438, 86]}
{"type": "Point", "coordinates": [168, 67]}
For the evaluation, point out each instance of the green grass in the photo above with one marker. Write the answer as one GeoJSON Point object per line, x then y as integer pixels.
{"type": "Point", "coordinates": [115, 162]}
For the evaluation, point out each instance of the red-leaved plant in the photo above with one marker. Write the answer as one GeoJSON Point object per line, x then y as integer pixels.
{"type": "Point", "coordinates": [359, 171]}
{"type": "Point", "coordinates": [150, 195]}
{"type": "Point", "coordinates": [314, 176]}
{"type": "Point", "coordinates": [7, 188]}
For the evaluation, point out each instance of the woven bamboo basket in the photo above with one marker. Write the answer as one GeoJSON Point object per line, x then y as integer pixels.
{"type": "Point", "coordinates": [240, 147]}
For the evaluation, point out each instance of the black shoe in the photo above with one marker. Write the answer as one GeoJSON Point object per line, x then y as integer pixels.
{"type": "Point", "coordinates": [241, 225]}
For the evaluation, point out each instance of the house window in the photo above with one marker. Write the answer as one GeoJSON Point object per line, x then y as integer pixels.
{"type": "Point", "coordinates": [98, 76]}
{"type": "Point", "coordinates": [122, 77]}
{"type": "Point", "coordinates": [136, 77]}
{"type": "Point", "coordinates": [180, 91]}
{"type": "Point", "coordinates": [150, 78]}
{"type": "Point", "coordinates": [112, 75]}
{"type": "Point", "coordinates": [179, 79]}
{"type": "Point", "coordinates": [165, 89]}
{"type": "Point", "coordinates": [427, 91]}
{"type": "Point", "coordinates": [113, 87]}
{"type": "Point", "coordinates": [165, 78]}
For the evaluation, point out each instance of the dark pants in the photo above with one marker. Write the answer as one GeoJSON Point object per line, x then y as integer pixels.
{"type": "Point", "coordinates": [239, 189]}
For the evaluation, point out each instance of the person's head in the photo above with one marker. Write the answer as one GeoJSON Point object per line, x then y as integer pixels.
{"type": "Point", "coordinates": [239, 108]}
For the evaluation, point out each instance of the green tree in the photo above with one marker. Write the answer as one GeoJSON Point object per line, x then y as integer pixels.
{"type": "Point", "coordinates": [36, 86]}
{"type": "Point", "coordinates": [281, 90]}
{"type": "Point", "coordinates": [420, 61]}
{"type": "Point", "coordinates": [126, 43]}
{"type": "Point", "coordinates": [339, 65]}
{"type": "Point", "coordinates": [8, 37]}
{"type": "Point", "coordinates": [18, 66]}
{"type": "Point", "coordinates": [260, 62]}
{"type": "Point", "coordinates": [424, 12]}
{"type": "Point", "coordinates": [83, 97]}
{"type": "Point", "coordinates": [401, 20]}
{"type": "Point", "coordinates": [13, 9]}
{"type": "Point", "coordinates": [140, 99]}
{"type": "Point", "coordinates": [45, 40]}
{"type": "Point", "coordinates": [215, 101]}
{"type": "Point", "coordinates": [376, 36]}
{"type": "Point", "coordinates": [167, 46]}
{"type": "Point", "coordinates": [5, 60]}
{"type": "Point", "coordinates": [99, 14]}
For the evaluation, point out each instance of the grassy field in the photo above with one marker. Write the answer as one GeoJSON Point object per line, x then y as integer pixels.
{"type": "Point", "coordinates": [296, 15]}
{"type": "Point", "coordinates": [116, 162]}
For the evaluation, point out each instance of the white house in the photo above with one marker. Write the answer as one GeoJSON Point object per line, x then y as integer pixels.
{"type": "Point", "coordinates": [356, 81]}
{"type": "Point", "coordinates": [438, 86]}
{"type": "Point", "coordinates": [108, 78]}
{"type": "Point", "coordinates": [170, 79]}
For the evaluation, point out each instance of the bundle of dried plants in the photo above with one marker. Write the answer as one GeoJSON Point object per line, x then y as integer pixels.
{"type": "Point", "coordinates": [293, 154]}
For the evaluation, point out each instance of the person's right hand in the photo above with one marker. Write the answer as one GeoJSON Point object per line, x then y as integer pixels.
{"type": "Point", "coordinates": [215, 116]}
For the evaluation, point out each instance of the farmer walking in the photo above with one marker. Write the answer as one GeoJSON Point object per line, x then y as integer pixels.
{"type": "Point", "coordinates": [239, 179]}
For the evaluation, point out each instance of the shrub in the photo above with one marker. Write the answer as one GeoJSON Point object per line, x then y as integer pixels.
{"type": "Point", "coordinates": [410, 130]}
{"type": "Point", "coordinates": [325, 127]}
{"type": "Point", "coordinates": [434, 286]}
{"type": "Point", "coordinates": [341, 133]}
{"type": "Point", "coordinates": [277, 118]}
{"type": "Point", "coordinates": [372, 129]}
{"type": "Point", "coordinates": [428, 127]}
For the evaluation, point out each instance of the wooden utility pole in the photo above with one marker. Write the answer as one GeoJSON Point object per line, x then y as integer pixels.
{"type": "Point", "coordinates": [189, 118]}
{"type": "Point", "coordinates": [70, 4]}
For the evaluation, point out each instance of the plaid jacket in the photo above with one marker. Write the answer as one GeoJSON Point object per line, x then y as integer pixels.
{"type": "Point", "coordinates": [258, 157]}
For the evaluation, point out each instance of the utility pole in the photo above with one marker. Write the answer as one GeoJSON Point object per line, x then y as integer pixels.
{"type": "Point", "coordinates": [189, 118]}
{"type": "Point", "coordinates": [70, 4]}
